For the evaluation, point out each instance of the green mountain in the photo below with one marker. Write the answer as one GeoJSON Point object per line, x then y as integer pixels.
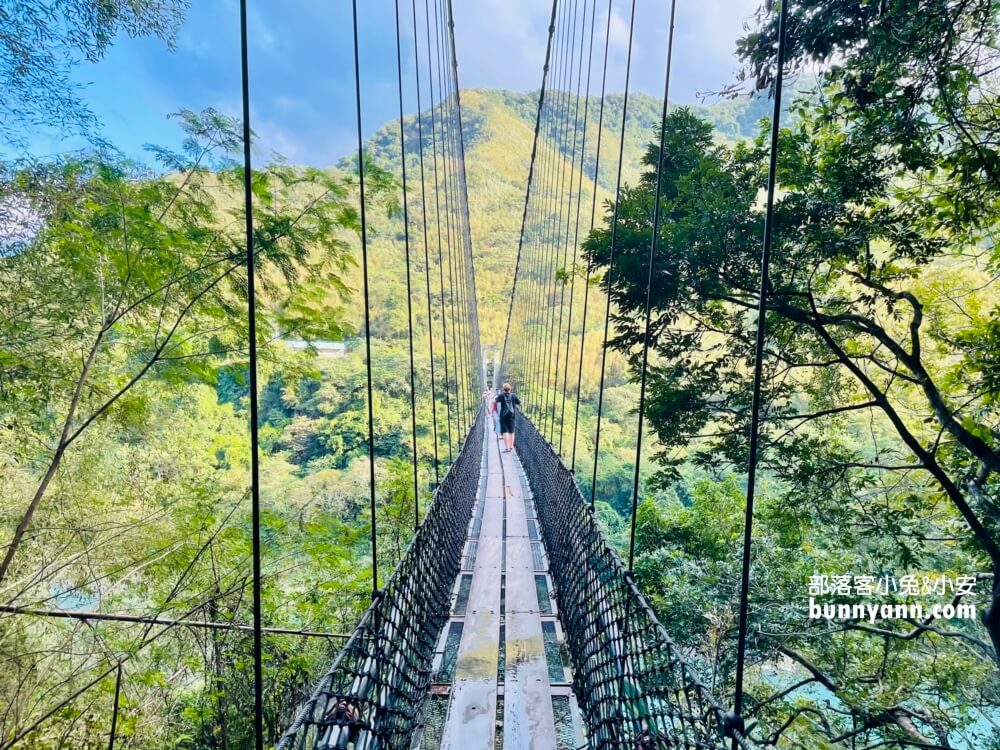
{"type": "Point", "coordinates": [498, 128]}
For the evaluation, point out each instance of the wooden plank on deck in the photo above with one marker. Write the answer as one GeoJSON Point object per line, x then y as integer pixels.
{"type": "Point", "coordinates": [470, 724]}
{"type": "Point", "coordinates": [528, 719]}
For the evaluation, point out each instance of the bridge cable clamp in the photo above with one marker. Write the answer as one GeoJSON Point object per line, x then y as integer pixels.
{"type": "Point", "coordinates": [732, 723]}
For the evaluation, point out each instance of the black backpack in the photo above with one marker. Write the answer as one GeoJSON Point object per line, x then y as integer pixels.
{"type": "Point", "coordinates": [506, 405]}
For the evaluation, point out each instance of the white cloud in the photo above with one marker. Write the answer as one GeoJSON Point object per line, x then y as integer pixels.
{"type": "Point", "coordinates": [618, 32]}
{"type": "Point", "coordinates": [501, 43]}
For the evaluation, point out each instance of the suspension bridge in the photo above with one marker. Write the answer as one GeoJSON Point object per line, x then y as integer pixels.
{"type": "Point", "coordinates": [510, 621]}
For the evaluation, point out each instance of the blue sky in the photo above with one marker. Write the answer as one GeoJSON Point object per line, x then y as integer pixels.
{"type": "Point", "coordinates": [301, 58]}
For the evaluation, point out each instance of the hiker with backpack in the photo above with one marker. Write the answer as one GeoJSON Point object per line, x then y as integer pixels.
{"type": "Point", "coordinates": [507, 403]}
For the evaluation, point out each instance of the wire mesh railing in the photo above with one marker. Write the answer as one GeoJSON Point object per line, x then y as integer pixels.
{"type": "Point", "coordinates": [635, 688]}
{"type": "Point", "coordinates": [373, 694]}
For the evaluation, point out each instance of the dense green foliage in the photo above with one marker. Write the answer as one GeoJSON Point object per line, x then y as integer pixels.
{"type": "Point", "coordinates": [880, 417]}
{"type": "Point", "coordinates": [122, 378]}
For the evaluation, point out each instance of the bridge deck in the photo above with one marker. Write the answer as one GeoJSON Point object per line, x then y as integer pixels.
{"type": "Point", "coordinates": [510, 686]}
{"type": "Point", "coordinates": [472, 709]}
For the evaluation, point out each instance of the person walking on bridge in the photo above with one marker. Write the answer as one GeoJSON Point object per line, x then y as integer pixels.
{"type": "Point", "coordinates": [490, 400]}
{"type": "Point", "coordinates": [507, 403]}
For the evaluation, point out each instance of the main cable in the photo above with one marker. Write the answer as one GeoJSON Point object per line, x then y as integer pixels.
{"type": "Point", "coordinates": [455, 293]}
{"type": "Point", "coordinates": [456, 348]}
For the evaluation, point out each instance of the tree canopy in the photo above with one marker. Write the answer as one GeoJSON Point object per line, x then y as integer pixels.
{"type": "Point", "coordinates": [879, 420]}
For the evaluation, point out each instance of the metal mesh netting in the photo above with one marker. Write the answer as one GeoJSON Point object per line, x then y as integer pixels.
{"type": "Point", "coordinates": [373, 693]}
{"type": "Point", "coordinates": [635, 688]}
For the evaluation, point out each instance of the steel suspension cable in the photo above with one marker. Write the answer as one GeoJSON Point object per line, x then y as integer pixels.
{"type": "Point", "coordinates": [531, 174]}
{"type": "Point", "coordinates": [456, 348]}
{"type": "Point", "coordinates": [463, 239]}
{"type": "Point", "coordinates": [453, 295]}
{"type": "Point", "coordinates": [427, 260]}
{"type": "Point", "coordinates": [365, 287]}
{"type": "Point", "coordinates": [611, 258]}
{"type": "Point", "coordinates": [90, 616]}
{"type": "Point", "coordinates": [534, 239]}
{"type": "Point", "coordinates": [114, 710]}
{"type": "Point", "coordinates": [565, 267]}
{"type": "Point", "coordinates": [464, 195]}
{"type": "Point", "coordinates": [448, 155]}
{"type": "Point", "coordinates": [546, 249]}
{"type": "Point", "coordinates": [437, 214]}
{"type": "Point", "coordinates": [258, 661]}
{"type": "Point", "coordinates": [650, 271]}
{"type": "Point", "coordinates": [758, 374]}
{"type": "Point", "coordinates": [563, 197]}
{"type": "Point", "coordinates": [455, 241]}
{"type": "Point", "coordinates": [556, 217]}
{"type": "Point", "coordinates": [590, 265]}
{"type": "Point", "coordinates": [547, 213]}
{"type": "Point", "coordinates": [536, 305]}
{"type": "Point", "coordinates": [409, 283]}
{"type": "Point", "coordinates": [576, 232]}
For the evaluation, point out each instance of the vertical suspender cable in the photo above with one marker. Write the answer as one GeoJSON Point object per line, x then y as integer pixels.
{"type": "Point", "coordinates": [651, 270]}
{"type": "Point", "coordinates": [563, 238]}
{"type": "Point", "coordinates": [571, 269]}
{"type": "Point", "coordinates": [648, 307]}
{"type": "Point", "coordinates": [546, 247]}
{"type": "Point", "coordinates": [114, 709]}
{"type": "Point", "coordinates": [437, 214]}
{"type": "Point", "coordinates": [258, 662]}
{"type": "Point", "coordinates": [593, 213]}
{"type": "Point", "coordinates": [531, 174]}
{"type": "Point", "coordinates": [758, 370]}
{"type": "Point", "coordinates": [368, 322]}
{"type": "Point", "coordinates": [464, 194]}
{"type": "Point", "coordinates": [470, 396]}
{"type": "Point", "coordinates": [464, 186]}
{"type": "Point", "coordinates": [409, 283]}
{"type": "Point", "coordinates": [456, 343]}
{"type": "Point", "coordinates": [611, 259]}
{"type": "Point", "coordinates": [448, 159]}
{"type": "Point", "coordinates": [554, 223]}
{"type": "Point", "coordinates": [427, 257]}
{"type": "Point", "coordinates": [536, 304]}
{"type": "Point", "coordinates": [549, 371]}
